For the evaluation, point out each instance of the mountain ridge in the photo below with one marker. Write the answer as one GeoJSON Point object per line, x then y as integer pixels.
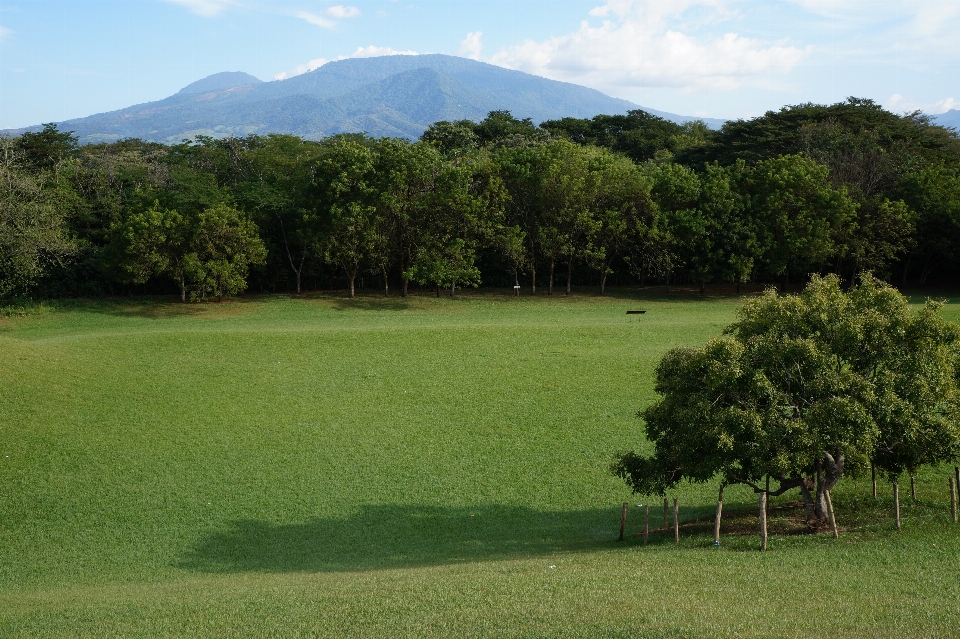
{"type": "Point", "coordinates": [395, 96]}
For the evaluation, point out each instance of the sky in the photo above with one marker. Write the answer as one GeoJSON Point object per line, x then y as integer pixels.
{"type": "Point", "coordinates": [62, 59]}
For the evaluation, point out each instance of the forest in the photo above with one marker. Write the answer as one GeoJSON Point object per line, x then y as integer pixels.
{"type": "Point", "coordinates": [616, 199]}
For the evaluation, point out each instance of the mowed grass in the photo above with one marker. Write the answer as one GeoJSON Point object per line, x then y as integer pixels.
{"type": "Point", "coordinates": [280, 467]}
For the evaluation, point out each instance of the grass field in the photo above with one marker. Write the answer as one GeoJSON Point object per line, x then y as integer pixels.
{"type": "Point", "coordinates": [280, 467]}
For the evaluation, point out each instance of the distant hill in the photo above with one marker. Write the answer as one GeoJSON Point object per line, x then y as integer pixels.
{"type": "Point", "coordinates": [385, 96]}
{"type": "Point", "coordinates": [949, 119]}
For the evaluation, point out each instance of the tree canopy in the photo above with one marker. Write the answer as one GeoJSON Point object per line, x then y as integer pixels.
{"type": "Point", "coordinates": [619, 199]}
{"type": "Point", "coordinates": [803, 388]}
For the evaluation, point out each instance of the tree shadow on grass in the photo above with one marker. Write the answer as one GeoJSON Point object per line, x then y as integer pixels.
{"type": "Point", "coordinates": [158, 307]}
{"type": "Point", "coordinates": [396, 536]}
{"type": "Point", "coordinates": [369, 302]}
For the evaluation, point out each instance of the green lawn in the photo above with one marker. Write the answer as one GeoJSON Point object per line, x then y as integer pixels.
{"type": "Point", "coordinates": [282, 467]}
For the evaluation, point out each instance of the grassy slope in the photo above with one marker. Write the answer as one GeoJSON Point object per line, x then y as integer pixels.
{"type": "Point", "coordinates": [404, 468]}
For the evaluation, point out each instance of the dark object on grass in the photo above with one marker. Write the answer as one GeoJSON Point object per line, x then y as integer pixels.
{"type": "Point", "coordinates": [635, 312]}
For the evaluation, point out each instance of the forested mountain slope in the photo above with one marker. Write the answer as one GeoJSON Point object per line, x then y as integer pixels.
{"type": "Point", "coordinates": [397, 96]}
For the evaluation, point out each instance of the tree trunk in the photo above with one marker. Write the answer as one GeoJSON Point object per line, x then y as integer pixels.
{"type": "Point", "coordinates": [569, 274]}
{"type": "Point", "coordinates": [927, 269]}
{"type": "Point", "coordinates": [533, 274]}
{"type": "Point", "coordinates": [829, 471]}
{"type": "Point", "coordinates": [516, 283]}
{"type": "Point", "coordinates": [286, 245]}
{"type": "Point", "coordinates": [703, 287]}
{"type": "Point", "coordinates": [453, 287]}
{"type": "Point", "coordinates": [353, 276]}
{"type": "Point", "coordinates": [183, 290]}
{"type": "Point", "coordinates": [603, 282]}
{"type": "Point", "coordinates": [550, 287]}
{"type": "Point", "coordinates": [906, 269]}
{"type": "Point", "coordinates": [386, 283]}
{"type": "Point", "coordinates": [716, 523]}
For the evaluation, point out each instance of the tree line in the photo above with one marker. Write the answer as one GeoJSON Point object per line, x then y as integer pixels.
{"type": "Point", "coordinates": [838, 189]}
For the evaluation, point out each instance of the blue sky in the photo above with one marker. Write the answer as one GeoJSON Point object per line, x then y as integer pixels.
{"type": "Point", "coordinates": [62, 59]}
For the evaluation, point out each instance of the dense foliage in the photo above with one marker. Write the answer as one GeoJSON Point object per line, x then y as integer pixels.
{"type": "Point", "coordinates": [842, 188]}
{"type": "Point", "coordinates": [802, 388]}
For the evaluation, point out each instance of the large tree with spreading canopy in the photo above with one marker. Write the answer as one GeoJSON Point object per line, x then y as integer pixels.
{"type": "Point", "coordinates": [803, 388]}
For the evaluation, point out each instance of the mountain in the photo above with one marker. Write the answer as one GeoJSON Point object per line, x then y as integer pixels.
{"type": "Point", "coordinates": [220, 82]}
{"type": "Point", "coordinates": [396, 96]}
{"type": "Point", "coordinates": [949, 119]}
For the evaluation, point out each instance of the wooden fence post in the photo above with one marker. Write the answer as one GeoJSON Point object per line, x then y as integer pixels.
{"type": "Point", "coordinates": [953, 500]}
{"type": "Point", "coordinates": [676, 523]}
{"type": "Point", "coordinates": [896, 503]}
{"type": "Point", "coordinates": [913, 488]}
{"type": "Point", "coordinates": [716, 524]}
{"type": "Point", "coordinates": [833, 519]}
{"type": "Point", "coordinates": [646, 524]}
{"type": "Point", "coordinates": [665, 507]}
{"type": "Point", "coordinates": [763, 520]}
{"type": "Point", "coordinates": [623, 520]}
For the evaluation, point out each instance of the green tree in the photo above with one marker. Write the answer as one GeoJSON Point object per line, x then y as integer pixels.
{"type": "Point", "coordinates": [155, 242]}
{"type": "Point", "coordinates": [621, 207]}
{"type": "Point", "coordinates": [564, 219]}
{"type": "Point", "coordinates": [521, 171]}
{"type": "Point", "coordinates": [225, 244]}
{"type": "Point", "coordinates": [676, 192]}
{"type": "Point", "coordinates": [345, 173]}
{"type": "Point", "coordinates": [454, 139]}
{"type": "Point", "coordinates": [446, 264]}
{"type": "Point", "coordinates": [639, 135]}
{"type": "Point", "coordinates": [933, 192]}
{"type": "Point", "coordinates": [801, 389]}
{"type": "Point", "coordinates": [405, 183]}
{"type": "Point", "coordinates": [799, 212]}
{"type": "Point", "coordinates": [734, 231]}
{"type": "Point", "coordinates": [43, 150]}
{"type": "Point", "coordinates": [34, 232]}
{"type": "Point", "coordinates": [501, 128]}
{"type": "Point", "coordinates": [276, 181]}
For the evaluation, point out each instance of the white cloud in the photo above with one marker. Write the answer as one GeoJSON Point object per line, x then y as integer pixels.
{"type": "Point", "coordinates": [637, 46]}
{"type": "Point", "coordinates": [314, 19]}
{"type": "Point", "coordinates": [471, 45]}
{"type": "Point", "coordinates": [206, 8]}
{"type": "Point", "coordinates": [361, 52]}
{"type": "Point", "coordinates": [374, 51]}
{"type": "Point", "coordinates": [894, 26]}
{"type": "Point", "coordinates": [899, 104]}
{"type": "Point", "coordinates": [306, 67]}
{"type": "Point", "coordinates": [5, 33]}
{"type": "Point", "coordinates": [340, 11]}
